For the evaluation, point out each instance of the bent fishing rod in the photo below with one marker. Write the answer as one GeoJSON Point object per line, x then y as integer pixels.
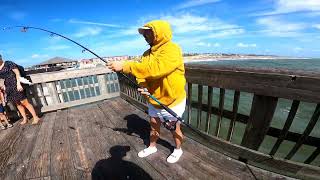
{"type": "Point", "coordinates": [170, 125]}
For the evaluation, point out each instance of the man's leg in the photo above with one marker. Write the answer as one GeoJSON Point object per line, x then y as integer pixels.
{"type": "Point", "coordinates": [154, 136]}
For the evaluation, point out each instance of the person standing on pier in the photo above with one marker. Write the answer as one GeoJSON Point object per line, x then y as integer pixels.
{"type": "Point", "coordinates": [15, 93]}
{"type": "Point", "coordinates": [161, 72]}
{"type": "Point", "coordinates": [3, 116]}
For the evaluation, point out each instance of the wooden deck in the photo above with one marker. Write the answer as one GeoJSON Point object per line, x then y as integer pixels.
{"type": "Point", "coordinates": [101, 141]}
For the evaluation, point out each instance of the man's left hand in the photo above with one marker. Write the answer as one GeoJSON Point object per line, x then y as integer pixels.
{"type": "Point", "coordinates": [116, 65]}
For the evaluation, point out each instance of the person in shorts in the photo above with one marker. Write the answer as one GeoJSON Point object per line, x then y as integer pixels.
{"type": "Point", "coordinates": [161, 74]}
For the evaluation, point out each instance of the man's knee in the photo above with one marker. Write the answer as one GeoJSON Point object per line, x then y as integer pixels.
{"type": "Point", "coordinates": [153, 132]}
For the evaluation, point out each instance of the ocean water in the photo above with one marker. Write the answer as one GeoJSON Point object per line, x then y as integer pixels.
{"type": "Point", "coordinates": [307, 65]}
{"type": "Point", "coordinates": [300, 122]}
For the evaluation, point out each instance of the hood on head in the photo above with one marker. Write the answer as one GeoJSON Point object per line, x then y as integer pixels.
{"type": "Point", "coordinates": [161, 30]}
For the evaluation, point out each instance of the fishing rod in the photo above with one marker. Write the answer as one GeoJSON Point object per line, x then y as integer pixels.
{"type": "Point", "coordinates": [170, 125]}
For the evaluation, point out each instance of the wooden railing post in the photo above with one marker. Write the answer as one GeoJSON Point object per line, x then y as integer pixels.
{"type": "Point", "coordinates": [102, 83]}
{"type": "Point", "coordinates": [261, 114]}
{"type": "Point", "coordinates": [53, 92]}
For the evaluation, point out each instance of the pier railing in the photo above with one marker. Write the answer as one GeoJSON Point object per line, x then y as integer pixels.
{"type": "Point", "coordinates": [267, 118]}
{"type": "Point", "coordinates": [58, 90]}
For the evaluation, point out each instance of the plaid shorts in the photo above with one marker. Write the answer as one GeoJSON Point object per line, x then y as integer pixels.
{"type": "Point", "coordinates": [164, 115]}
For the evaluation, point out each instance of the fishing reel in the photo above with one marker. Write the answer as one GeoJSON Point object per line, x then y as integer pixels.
{"type": "Point", "coordinates": [169, 124]}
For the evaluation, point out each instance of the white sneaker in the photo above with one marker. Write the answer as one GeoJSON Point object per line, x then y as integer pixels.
{"type": "Point", "coordinates": [175, 156]}
{"type": "Point", "coordinates": [146, 152]}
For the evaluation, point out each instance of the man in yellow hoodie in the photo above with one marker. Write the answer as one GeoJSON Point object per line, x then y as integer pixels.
{"type": "Point", "coordinates": [161, 73]}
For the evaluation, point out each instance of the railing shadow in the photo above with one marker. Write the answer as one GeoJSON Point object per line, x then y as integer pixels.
{"type": "Point", "coordinates": [116, 168]}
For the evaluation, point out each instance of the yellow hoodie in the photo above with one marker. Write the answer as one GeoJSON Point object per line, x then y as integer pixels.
{"type": "Point", "coordinates": [161, 69]}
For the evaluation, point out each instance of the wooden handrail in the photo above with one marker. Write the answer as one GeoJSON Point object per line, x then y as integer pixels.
{"type": "Point", "coordinates": [62, 89]}
{"type": "Point", "coordinates": [267, 87]}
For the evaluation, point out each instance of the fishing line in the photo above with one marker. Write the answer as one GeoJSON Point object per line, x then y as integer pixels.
{"type": "Point", "coordinates": [170, 125]}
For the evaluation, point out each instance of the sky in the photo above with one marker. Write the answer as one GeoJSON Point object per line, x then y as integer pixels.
{"type": "Point", "coordinates": [109, 28]}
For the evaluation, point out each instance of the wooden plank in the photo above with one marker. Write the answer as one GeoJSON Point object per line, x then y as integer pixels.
{"type": "Point", "coordinates": [78, 144]}
{"type": "Point", "coordinates": [134, 102]}
{"type": "Point", "coordinates": [189, 101]}
{"type": "Point", "coordinates": [60, 75]}
{"type": "Point", "coordinates": [220, 115]}
{"type": "Point", "coordinates": [199, 109]}
{"type": "Point", "coordinates": [226, 113]}
{"type": "Point", "coordinates": [211, 162]}
{"type": "Point", "coordinates": [274, 132]}
{"type": "Point", "coordinates": [78, 102]}
{"type": "Point", "coordinates": [196, 165]}
{"type": "Point", "coordinates": [268, 83]}
{"type": "Point", "coordinates": [208, 120]}
{"type": "Point", "coordinates": [261, 114]}
{"type": "Point", "coordinates": [158, 160]}
{"type": "Point", "coordinates": [236, 99]}
{"type": "Point", "coordinates": [287, 125]}
{"type": "Point", "coordinates": [61, 162]}
{"type": "Point", "coordinates": [117, 138]}
{"type": "Point", "coordinates": [86, 143]}
{"type": "Point", "coordinates": [17, 151]}
{"type": "Point", "coordinates": [196, 152]}
{"type": "Point", "coordinates": [294, 137]}
{"type": "Point", "coordinates": [53, 92]}
{"type": "Point", "coordinates": [8, 148]}
{"type": "Point", "coordinates": [270, 163]}
{"type": "Point", "coordinates": [39, 163]}
{"type": "Point", "coordinates": [313, 156]}
{"type": "Point", "coordinates": [307, 131]}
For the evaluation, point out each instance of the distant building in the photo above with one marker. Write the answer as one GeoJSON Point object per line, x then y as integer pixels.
{"type": "Point", "coordinates": [53, 64]}
{"type": "Point", "coordinates": [56, 62]}
{"type": "Point", "coordinates": [95, 62]}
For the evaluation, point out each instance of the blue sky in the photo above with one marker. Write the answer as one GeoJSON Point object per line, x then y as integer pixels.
{"type": "Point", "coordinates": [109, 28]}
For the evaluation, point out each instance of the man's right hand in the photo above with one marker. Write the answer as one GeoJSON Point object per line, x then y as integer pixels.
{"type": "Point", "coordinates": [115, 65]}
{"type": "Point", "coordinates": [144, 91]}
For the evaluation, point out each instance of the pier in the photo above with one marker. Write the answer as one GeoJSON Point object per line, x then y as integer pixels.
{"type": "Point", "coordinates": [94, 124]}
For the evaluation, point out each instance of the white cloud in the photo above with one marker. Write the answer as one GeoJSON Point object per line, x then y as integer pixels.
{"type": "Point", "coordinates": [208, 44]}
{"type": "Point", "coordinates": [188, 23]}
{"type": "Point", "coordinates": [39, 56]}
{"type": "Point", "coordinates": [93, 23]}
{"type": "Point", "coordinates": [193, 3]}
{"type": "Point", "coordinates": [225, 33]}
{"type": "Point", "coordinates": [316, 26]}
{"type": "Point", "coordinates": [57, 47]}
{"type": "Point", "coordinates": [89, 31]}
{"type": "Point", "coordinates": [276, 27]}
{"type": "Point", "coordinates": [123, 47]}
{"type": "Point", "coordinates": [292, 6]}
{"type": "Point", "coordinates": [298, 49]}
{"type": "Point", "coordinates": [243, 45]}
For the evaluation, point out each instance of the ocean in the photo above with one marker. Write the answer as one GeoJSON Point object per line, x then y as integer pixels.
{"type": "Point", "coordinates": [300, 121]}
{"type": "Point", "coordinates": [308, 65]}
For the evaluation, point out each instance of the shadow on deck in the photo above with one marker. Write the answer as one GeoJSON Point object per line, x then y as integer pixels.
{"type": "Point", "coordinates": [101, 141]}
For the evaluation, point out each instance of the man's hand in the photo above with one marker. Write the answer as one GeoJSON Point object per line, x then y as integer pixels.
{"type": "Point", "coordinates": [115, 65]}
{"type": "Point", "coordinates": [144, 91]}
